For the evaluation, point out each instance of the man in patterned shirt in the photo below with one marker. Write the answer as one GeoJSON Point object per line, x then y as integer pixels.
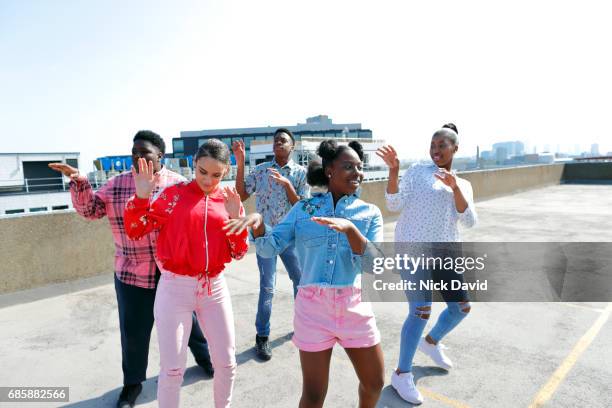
{"type": "Point", "coordinates": [136, 273]}
{"type": "Point", "coordinates": [277, 184]}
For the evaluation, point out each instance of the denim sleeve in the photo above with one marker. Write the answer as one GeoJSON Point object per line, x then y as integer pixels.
{"type": "Point", "coordinates": [375, 232]}
{"type": "Point", "coordinates": [276, 240]}
{"type": "Point", "coordinates": [374, 235]}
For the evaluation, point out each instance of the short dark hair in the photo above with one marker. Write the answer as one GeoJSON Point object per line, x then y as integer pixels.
{"type": "Point", "coordinates": [215, 149]}
{"type": "Point", "coordinates": [287, 131]}
{"type": "Point", "coordinates": [150, 136]}
{"type": "Point", "coordinates": [328, 150]}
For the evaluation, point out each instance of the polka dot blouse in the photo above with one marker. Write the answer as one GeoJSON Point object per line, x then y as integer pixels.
{"type": "Point", "coordinates": [427, 205]}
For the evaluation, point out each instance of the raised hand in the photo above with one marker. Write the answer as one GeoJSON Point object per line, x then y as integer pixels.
{"type": "Point", "coordinates": [239, 151]}
{"type": "Point", "coordinates": [447, 178]}
{"type": "Point", "coordinates": [232, 201]}
{"type": "Point", "coordinates": [237, 225]}
{"type": "Point", "coordinates": [145, 178]}
{"type": "Point", "coordinates": [338, 224]}
{"type": "Point", "coordinates": [389, 156]}
{"type": "Point", "coordinates": [66, 170]}
{"type": "Point", "coordinates": [279, 178]}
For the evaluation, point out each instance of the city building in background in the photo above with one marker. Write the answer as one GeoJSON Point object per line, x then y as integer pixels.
{"type": "Point", "coordinates": [513, 153]}
{"type": "Point", "coordinates": [320, 127]}
{"type": "Point", "coordinates": [505, 150]}
{"type": "Point", "coordinates": [28, 185]}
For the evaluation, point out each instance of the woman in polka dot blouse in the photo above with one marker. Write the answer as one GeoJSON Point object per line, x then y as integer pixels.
{"type": "Point", "coordinates": [432, 201]}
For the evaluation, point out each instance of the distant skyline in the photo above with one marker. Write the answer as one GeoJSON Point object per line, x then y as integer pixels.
{"type": "Point", "coordinates": [85, 76]}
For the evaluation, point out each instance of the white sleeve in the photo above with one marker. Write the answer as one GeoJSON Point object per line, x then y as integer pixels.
{"type": "Point", "coordinates": [397, 201]}
{"type": "Point", "coordinates": [468, 218]}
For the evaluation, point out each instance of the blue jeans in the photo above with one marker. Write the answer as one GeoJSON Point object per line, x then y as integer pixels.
{"type": "Point", "coordinates": [419, 310]}
{"type": "Point", "coordinates": [267, 283]}
{"type": "Point", "coordinates": [415, 323]}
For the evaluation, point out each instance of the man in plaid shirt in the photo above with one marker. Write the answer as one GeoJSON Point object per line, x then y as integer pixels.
{"type": "Point", "coordinates": [136, 273]}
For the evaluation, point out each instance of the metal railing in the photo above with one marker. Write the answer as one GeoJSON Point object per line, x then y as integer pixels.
{"type": "Point", "coordinates": [47, 184]}
{"type": "Point", "coordinates": [31, 185]}
{"type": "Point", "coordinates": [594, 159]}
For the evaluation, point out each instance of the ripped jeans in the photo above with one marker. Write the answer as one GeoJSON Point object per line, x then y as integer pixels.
{"type": "Point", "coordinates": [178, 296]}
{"type": "Point", "coordinates": [419, 310]}
{"type": "Point", "coordinates": [267, 284]}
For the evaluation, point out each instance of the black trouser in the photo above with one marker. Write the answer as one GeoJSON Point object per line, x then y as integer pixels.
{"type": "Point", "coordinates": [136, 322]}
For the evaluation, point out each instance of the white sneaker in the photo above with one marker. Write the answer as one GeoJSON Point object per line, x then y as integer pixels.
{"type": "Point", "coordinates": [404, 385]}
{"type": "Point", "coordinates": [436, 353]}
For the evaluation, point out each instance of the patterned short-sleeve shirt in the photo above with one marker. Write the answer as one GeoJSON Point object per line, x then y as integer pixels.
{"type": "Point", "coordinates": [271, 199]}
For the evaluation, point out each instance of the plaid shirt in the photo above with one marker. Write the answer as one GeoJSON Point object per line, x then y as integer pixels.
{"type": "Point", "coordinates": [134, 260]}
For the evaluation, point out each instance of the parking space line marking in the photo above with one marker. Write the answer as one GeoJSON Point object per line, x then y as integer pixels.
{"type": "Point", "coordinates": [561, 372]}
{"type": "Point", "coordinates": [441, 398]}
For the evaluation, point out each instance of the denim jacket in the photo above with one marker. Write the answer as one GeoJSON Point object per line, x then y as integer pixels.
{"type": "Point", "coordinates": [325, 256]}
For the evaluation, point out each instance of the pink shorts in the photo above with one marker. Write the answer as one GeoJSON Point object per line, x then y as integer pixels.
{"type": "Point", "coordinates": [326, 316]}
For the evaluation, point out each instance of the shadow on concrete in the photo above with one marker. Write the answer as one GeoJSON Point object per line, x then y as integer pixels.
{"type": "Point", "coordinates": [149, 391]}
{"type": "Point", "coordinates": [249, 354]}
{"type": "Point", "coordinates": [389, 397]}
{"type": "Point", "coordinates": [149, 387]}
{"type": "Point", "coordinates": [54, 290]}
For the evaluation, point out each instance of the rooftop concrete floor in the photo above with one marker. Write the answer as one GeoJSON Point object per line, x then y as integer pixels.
{"type": "Point", "coordinates": [505, 354]}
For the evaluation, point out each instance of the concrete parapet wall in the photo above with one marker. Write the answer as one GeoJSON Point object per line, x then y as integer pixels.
{"type": "Point", "coordinates": [499, 182]}
{"type": "Point", "coordinates": [587, 172]}
{"type": "Point", "coordinates": [50, 248]}
{"type": "Point", "coordinates": [40, 249]}
{"type": "Point", "coordinates": [485, 183]}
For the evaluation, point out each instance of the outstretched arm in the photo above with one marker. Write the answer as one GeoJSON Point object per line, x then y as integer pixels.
{"type": "Point", "coordinates": [355, 237]}
{"type": "Point", "coordinates": [86, 203]}
{"type": "Point", "coordinates": [269, 241]}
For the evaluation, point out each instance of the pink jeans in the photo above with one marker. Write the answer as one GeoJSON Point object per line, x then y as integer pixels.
{"type": "Point", "coordinates": [177, 297]}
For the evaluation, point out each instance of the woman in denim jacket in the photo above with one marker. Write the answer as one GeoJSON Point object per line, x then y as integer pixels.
{"type": "Point", "coordinates": [330, 232]}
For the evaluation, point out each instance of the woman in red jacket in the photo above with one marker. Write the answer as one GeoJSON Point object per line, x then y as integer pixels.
{"type": "Point", "coordinates": [192, 251]}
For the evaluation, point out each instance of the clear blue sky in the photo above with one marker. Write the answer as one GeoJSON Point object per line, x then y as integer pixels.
{"type": "Point", "coordinates": [86, 75]}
